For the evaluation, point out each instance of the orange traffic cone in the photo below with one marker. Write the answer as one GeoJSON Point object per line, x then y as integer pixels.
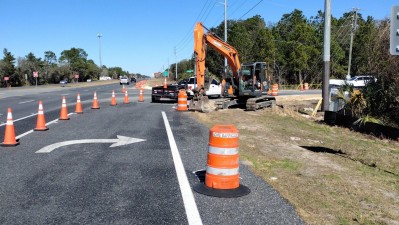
{"type": "Point", "coordinates": [300, 87]}
{"type": "Point", "coordinates": [41, 120]}
{"type": "Point", "coordinates": [64, 110]}
{"type": "Point", "coordinates": [123, 89]}
{"type": "Point", "coordinates": [113, 99]}
{"type": "Point", "coordinates": [79, 109]}
{"type": "Point", "coordinates": [141, 98]}
{"type": "Point", "coordinates": [95, 102]}
{"type": "Point", "coordinates": [165, 85]}
{"type": "Point", "coordinates": [9, 135]}
{"type": "Point", "coordinates": [126, 99]}
{"type": "Point", "coordinates": [230, 90]}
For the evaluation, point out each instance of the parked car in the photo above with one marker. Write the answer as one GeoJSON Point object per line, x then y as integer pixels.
{"type": "Point", "coordinates": [124, 80]}
{"type": "Point", "coordinates": [63, 83]}
{"type": "Point", "coordinates": [133, 80]}
{"type": "Point", "coordinates": [105, 78]}
{"type": "Point", "coordinates": [361, 81]}
{"type": "Point", "coordinates": [170, 93]}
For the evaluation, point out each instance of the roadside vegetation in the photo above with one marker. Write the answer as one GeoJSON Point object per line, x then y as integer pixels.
{"type": "Point", "coordinates": [51, 69]}
{"type": "Point", "coordinates": [331, 175]}
{"type": "Point", "coordinates": [293, 49]}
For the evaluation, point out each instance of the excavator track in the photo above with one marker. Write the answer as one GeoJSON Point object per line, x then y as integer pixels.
{"type": "Point", "coordinates": [254, 104]}
{"type": "Point", "coordinates": [225, 103]}
{"type": "Point", "coordinates": [251, 104]}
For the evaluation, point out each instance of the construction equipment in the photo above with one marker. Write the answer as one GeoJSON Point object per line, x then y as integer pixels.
{"type": "Point", "coordinates": [246, 85]}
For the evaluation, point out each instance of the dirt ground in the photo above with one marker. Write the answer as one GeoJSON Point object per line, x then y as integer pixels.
{"type": "Point", "coordinates": [326, 172]}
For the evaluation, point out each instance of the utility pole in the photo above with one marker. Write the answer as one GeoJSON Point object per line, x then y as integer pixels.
{"type": "Point", "coordinates": [99, 35]}
{"type": "Point", "coordinates": [353, 30]}
{"type": "Point", "coordinates": [176, 65]}
{"type": "Point", "coordinates": [225, 34]}
{"type": "Point", "coordinates": [326, 57]}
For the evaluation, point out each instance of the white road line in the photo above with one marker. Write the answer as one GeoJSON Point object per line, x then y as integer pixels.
{"type": "Point", "coordinates": [192, 213]}
{"type": "Point", "coordinates": [25, 102]}
{"type": "Point", "coordinates": [33, 114]}
{"type": "Point", "coordinates": [28, 132]}
{"type": "Point", "coordinates": [24, 134]}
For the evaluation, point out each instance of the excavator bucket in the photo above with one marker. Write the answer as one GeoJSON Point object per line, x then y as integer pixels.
{"type": "Point", "coordinates": [201, 104]}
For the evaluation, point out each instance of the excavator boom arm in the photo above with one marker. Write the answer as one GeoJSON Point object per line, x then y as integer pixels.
{"type": "Point", "coordinates": [201, 40]}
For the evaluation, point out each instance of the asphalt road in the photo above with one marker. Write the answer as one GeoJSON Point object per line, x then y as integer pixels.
{"type": "Point", "coordinates": [139, 183]}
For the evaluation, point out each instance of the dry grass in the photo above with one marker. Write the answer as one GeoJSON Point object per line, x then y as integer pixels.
{"type": "Point", "coordinates": [330, 174]}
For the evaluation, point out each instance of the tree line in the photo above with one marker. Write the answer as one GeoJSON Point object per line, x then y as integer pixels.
{"type": "Point", "coordinates": [293, 47]}
{"type": "Point", "coordinates": [51, 69]}
{"type": "Point", "coordinates": [293, 50]}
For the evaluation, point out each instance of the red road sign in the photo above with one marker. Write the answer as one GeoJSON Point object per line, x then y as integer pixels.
{"type": "Point", "coordinates": [6, 78]}
{"type": "Point", "coordinates": [77, 76]}
{"type": "Point", "coordinates": [35, 74]}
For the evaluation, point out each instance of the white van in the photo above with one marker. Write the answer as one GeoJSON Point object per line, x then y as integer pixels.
{"type": "Point", "coordinates": [361, 81]}
{"type": "Point", "coordinates": [215, 88]}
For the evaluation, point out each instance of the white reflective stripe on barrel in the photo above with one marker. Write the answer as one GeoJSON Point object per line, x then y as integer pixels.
{"type": "Point", "coordinates": [181, 105]}
{"type": "Point", "coordinates": [182, 99]}
{"type": "Point", "coordinates": [222, 172]}
{"type": "Point", "coordinates": [223, 151]}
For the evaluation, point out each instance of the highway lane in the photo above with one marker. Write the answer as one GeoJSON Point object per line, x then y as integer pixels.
{"type": "Point", "coordinates": [24, 103]}
{"type": "Point", "coordinates": [132, 184]}
{"type": "Point", "coordinates": [92, 183]}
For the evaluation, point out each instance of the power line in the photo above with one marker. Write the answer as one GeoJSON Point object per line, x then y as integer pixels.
{"type": "Point", "coordinates": [188, 32]}
{"type": "Point", "coordinates": [239, 7]}
{"type": "Point", "coordinates": [205, 13]}
{"type": "Point", "coordinates": [250, 9]}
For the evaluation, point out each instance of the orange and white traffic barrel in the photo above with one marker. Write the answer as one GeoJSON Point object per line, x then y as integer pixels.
{"type": "Point", "coordinates": [222, 178]}
{"type": "Point", "coordinates": [182, 100]}
{"type": "Point", "coordinates": [275, 90]}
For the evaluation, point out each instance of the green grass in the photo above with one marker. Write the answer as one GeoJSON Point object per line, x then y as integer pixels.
{"type": "Point", "coordinates": [287, 164]}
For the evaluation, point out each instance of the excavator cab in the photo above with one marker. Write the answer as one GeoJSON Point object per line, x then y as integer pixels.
{"type": "Point", "coordinates": [251, 77]}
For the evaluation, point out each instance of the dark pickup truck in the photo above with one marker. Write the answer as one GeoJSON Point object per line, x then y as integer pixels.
{"type": "Point", "coordinates": [159, 93]}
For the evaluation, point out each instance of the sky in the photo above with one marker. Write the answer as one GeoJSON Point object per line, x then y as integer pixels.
{"type": "Point", "coordinates": [142, 36]}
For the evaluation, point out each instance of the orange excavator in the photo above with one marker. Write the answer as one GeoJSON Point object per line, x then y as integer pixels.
{"type": "Point", "coordinates": [245, 86]}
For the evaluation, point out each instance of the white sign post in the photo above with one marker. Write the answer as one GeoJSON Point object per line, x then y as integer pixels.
{"type": "Point", "coordinates": [35, 75]}
{"type": "Point", "coordinates": [6, 79]}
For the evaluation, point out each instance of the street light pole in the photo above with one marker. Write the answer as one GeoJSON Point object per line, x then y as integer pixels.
{"type": "Point", "coordinates": [99, 35]}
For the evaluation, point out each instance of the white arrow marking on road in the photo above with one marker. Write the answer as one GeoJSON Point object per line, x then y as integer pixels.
{"type": "Point", "coordinates": [121, 140]}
